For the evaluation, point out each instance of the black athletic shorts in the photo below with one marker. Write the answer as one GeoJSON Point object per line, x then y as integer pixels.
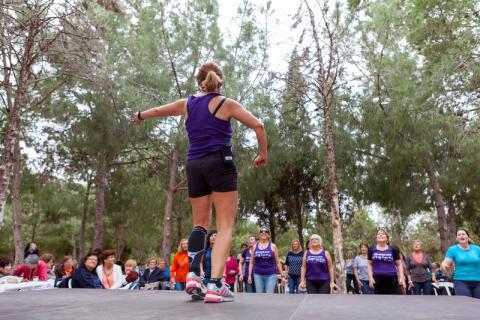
{"type": "Point", "coordinates": [209, 174]}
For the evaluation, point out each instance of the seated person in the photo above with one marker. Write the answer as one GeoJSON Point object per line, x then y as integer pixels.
{"type": "Point", "coordinates": [5, 267]}
{"type": "Point", "coordinates": [49, 261]}
{"type": "Point", "coordinates": [131, 276]}
{"type": "Point", "coordinates": [110, 273]}
{"type": "Point", "coordinates": [31, 268]}
{"type": "Point", "coordinates": [86, 276]}
{"type": "Point", "coordinates": [65, 269]}
{"type": "Point", "coordinates": [165, 277]}
{"type": "Point", "coordinates": [152, 273]}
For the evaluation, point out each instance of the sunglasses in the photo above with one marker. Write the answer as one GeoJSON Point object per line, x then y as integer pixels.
{"type": "Point", "coordinates": [264, 231]}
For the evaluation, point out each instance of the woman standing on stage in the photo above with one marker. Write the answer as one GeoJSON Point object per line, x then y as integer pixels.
{"type": "Point", "coordinates": [385, 269]}
{"type": "Point", "coordinates": [211, 172]}
{"type": "Point", "coordinates": [318, 275]}
{"type": "Point", "coordinates": [466, 258]}
{"type": "Point", "coordinates": [293, 266]}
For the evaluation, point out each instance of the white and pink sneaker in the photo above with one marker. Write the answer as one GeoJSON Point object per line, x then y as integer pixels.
{"type": "Point", "coordinates": [194, 286]}
{"type": "Point", "coordinates": [217, 295]}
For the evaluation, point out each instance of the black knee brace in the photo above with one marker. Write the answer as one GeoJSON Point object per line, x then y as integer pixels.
{"type": "Point", "coordinates": [197, 243]}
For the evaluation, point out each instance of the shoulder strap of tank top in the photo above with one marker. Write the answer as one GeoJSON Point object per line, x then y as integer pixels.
{"type": "Point", "coordinates": [219, 106]}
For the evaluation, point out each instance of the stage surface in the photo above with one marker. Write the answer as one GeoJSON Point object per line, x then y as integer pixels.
{"type": "Point", "coordinates": [78, 304]}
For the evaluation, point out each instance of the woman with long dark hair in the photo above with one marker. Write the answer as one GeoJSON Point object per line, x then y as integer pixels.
{"type": "Point", "coordinates": [211, 172]}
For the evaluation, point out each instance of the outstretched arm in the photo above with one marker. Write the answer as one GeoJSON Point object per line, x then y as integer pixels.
{"type": "Point", "coordinates": [177, 108]}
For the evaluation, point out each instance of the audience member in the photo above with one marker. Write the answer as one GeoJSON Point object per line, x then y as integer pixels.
{"type": "Point", "coordinates": [65, 269]}
{"type": "Point", "coordinates": [351, 284]}
{"type": "Point", "coordinates": [293, 266]}
{"type": "Point", "coordinates": [32, 269]}
{"type": "Point", "coordinates": [5, 267]}
{"type": "Point", "coordinates": [165, 275]}
{"type": "Point", "coordinates": [206, 264]}
{"type": "Point", "coordinates": [131, 281]}
{"type": "Point", "coordinates": [465, 256]}
{"type": "Point", "coordinates": [317, 268]}
{"type": "Point", "coordinates": [49, 260]}
{"type": "Point", "coordinates": [245, 265]}
{"type": "Point", "coordinates": [360, 266]}
{"type": "Point", "coordinates": [85, 276]}
{"type": "Point", "coordinates": [265, 264]}
{"type": "Point", "coordinates": [231, 271]}
{"type": "Point", "coordinates": [31, 248]}
{"type": "Point", "coordinates": [110, 274]}
{"type": "Point", "coordinates": [180, 267]}
{"type": "Point", "coordinates": [418, 270]}
{"type": "Point", "coordinates": [384, 266]}
{"type": "Point", "coordinates": [152, 273]}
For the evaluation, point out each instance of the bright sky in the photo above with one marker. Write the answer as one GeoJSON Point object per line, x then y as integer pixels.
{"type": "Point", "coordinates": [282, 38]}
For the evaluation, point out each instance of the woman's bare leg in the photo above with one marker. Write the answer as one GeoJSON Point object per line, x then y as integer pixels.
{"type": "Point", "coordinates": [226, 204]}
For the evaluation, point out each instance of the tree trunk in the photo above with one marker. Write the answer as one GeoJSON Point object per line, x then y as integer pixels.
{"type": "Point", "coordinates": [167, 217]}
{"type": "Point", "coordinates": [298, 212]}
{"type": "Point", "coordinates": [437, 195]}
{"type": "Point", "coordinates": [333, 198]}
{"type": "Point", "coordinates": [14, 115]}
{"type": "Point", "coordinates": [451, 220]}
{"type": "Point", "coordinates": [99, 199]}
{"type": "Point", "coordinates": [83, 223]}
{"type": "Point", "coordinates": [120, 241]}
{"type": "Point", "coordinates": [17, 205]}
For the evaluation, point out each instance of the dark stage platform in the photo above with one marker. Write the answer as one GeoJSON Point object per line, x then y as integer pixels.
{"type": "Point", "coordinates": [139, 305]}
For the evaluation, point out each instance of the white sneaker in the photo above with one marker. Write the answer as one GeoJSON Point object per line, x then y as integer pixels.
{"type": "Point", "coordinates": [216, 295]}
{"type": "Point", "coordinates": [194, 286]}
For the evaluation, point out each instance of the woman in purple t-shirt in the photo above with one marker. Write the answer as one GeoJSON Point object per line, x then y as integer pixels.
{"type": "Point", "coordinates": [317, 268]}
{"type": "Point", "coordinates": [211, 172]}
{"type": "Point", "coordinates": [264, 264]}
{"type": "Point", "coordinates": [385, 269]}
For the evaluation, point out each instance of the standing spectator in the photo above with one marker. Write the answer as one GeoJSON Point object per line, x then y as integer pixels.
{"type": "Point", "coordinates": [385, 270]}
{"type": "Point", "coordinates": [245, 265]}
{"type": "Point", "coordinates": [31, 269]}
{"type": "Point", "coordinates": [231, 271]}
{"type": "Point", "coordinates": [65, 269]}
{"type": "Point", "coordinates": [31, 248]}
{"type": "Point", "coordinates": [85, 276]}
{"type": "Point", "coordinates": [110, 274]}
{"type": "Point", "coordinates": [265, 264]}
{"type": "Point", "coordinates": [360, 266]}
{"type": "Point", "coordinates": [293, 266]}
{"type": "Point", "coordinates": [179, 267]}
{"type": "Point", "coordinates": [206, 265]}
{"type": "Point", "coordinates": [49, 260]}
{"type": "Point", "coordinates": [5, 267]}
{"type": "Point", "coordinates": [317, 268]}
{"type": "Point", "coordinates": [418, 270]}
{"type": "Point", "coordinates": [243, 247]}
{"type": "Point", "coordinates": [351, 284]}
{"type": "Point", "coordinates": [465, 256]}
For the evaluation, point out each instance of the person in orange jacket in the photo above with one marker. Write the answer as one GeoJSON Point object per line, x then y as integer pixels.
{"type": "Point", "coordinates": [179, 267]}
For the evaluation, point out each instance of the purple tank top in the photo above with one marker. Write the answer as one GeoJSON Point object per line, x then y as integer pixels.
{"type": "Point", "coordinates": [247, 259]}
{"type": "Point", "coordinates": [264, 261]}
{"type": "Point", "coordinates": [206, 133]}
{"type": "Point", "coordinates": [317, 266]}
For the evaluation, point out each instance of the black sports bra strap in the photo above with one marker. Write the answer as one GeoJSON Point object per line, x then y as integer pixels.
{"type": "Point", "coordinates": [219, 106]}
